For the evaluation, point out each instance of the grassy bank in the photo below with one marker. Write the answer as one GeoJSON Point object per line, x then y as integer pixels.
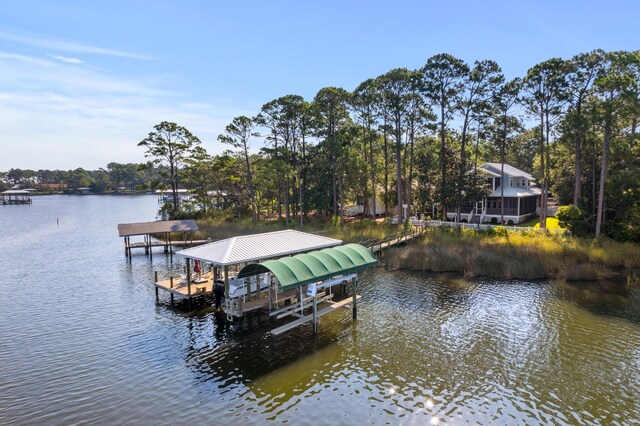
{"type": "Point", "coordinates": [517, 255]}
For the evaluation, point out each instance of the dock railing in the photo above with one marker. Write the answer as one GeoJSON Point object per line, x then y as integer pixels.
{"type": "Point", "coordinates": [377, 245]}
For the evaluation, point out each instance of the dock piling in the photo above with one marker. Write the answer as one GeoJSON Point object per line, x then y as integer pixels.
{"type": "Point", "coordinates": [354, 307]}
{"type": "Point", "coordinates": [171, 287]}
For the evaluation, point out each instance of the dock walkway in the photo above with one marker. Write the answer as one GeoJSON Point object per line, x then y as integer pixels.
{"type": "Point", "coordinates": [377, 246]}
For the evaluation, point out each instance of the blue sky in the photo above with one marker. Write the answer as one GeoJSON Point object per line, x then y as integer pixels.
{"type": "Point", "coordinates": [82, 82]}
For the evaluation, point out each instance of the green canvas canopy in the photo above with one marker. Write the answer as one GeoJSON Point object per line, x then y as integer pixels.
{"type": "Point", "coordinates": [314, 266]}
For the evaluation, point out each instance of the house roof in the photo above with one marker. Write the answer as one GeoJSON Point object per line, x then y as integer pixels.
{"type": "Point", "coordinates": [494, 170]}
{"type": "Point", "coordinates": [157, 227]}
{"type": "Point", "coordinates": [315, 266]}
{"type": "Point", "coordinates": [516, 191]}
{"type": "Point", "coordinates": [251, 248]}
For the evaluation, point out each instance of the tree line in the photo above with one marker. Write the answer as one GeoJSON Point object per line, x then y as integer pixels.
{"type": "Point", "coordinates": [416, 138]}
{"type": "Point", "coordinates": [129, 177]}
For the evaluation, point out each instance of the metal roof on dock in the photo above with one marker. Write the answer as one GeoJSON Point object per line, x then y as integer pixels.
{"type": "Point", "coordinates": [251, 248]}
{"type": "Point", "coordinates": [156, 227]}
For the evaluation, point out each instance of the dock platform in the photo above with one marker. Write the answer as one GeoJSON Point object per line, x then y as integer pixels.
{"type": "Point", "coordinates": [180, 288]}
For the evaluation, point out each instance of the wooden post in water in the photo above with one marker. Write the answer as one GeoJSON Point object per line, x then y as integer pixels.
{"type": "Point", "coordinates": [156, 281]}
{"type": "Point", "coordinates": [269, 296]}
{"type": "Point", "coordinates": [171, 287]}
{"type": "Point", "coordinates": [301, 302]}
{"type": "Point", "coordinates": [354, 309]}
{"type": "Point", "coordinates": [189, 282]}
{"type": "Point", "coordinates": [226, 287]}
{"type": "Point", "coordinates": [315, 311]}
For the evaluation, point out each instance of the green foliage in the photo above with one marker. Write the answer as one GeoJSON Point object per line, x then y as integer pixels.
{"type": "Point", "coordinates": [170, 144]}
{"type": "Point", "coordinates": [500, 231]}
{"type": "Point", "coordinates": [569, 216]}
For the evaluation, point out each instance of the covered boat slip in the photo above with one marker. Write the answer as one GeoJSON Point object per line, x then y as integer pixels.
{"type": "Point", "coordinates": [283, 284]}
{"type": "Point", "coordinates": [15, 196]}
{"type": "Point", "coordinates": [227, 257]}
{"type": "Point", "coordinates": [160, 230]}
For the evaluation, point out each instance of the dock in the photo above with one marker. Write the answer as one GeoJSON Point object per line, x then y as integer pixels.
{"type": "Point", "coordinates": [15, 196]}
{"type": "Point", "coordinates": [377, 246]}
{"type": "Point", "coordinates": [158, 234]}
{"type": "Point", "coordinates": [284, 273]}
{"type": "Point", "coordinates": [179, 287]}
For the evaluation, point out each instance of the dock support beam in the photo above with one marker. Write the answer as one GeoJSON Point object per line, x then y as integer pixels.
{"type": "Point", "coordinates": [226, 291]}
{"type": "Point", "coordinates": [354, 308]}
{"type": "Point", "coordinates": [171, 287]}
{"type": "Point", "coordinates": [189, 282]}
{"type": "Point", "coordinates": [315, 313]}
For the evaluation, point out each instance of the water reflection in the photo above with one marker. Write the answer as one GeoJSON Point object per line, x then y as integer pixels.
{"type": "Point", "coordinates": [608, 298]}
{"type": "Point", "coordinates": [431, 349]}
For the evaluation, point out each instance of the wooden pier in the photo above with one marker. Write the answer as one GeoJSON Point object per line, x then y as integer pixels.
{"type": "Point", "coordinates": [377, 246]}
{"type": "Point", "coordinates": [158, 234]}
{"type": "Point", "coordinates": [15, 196]}
{"type": "Point", "coordinates": [179, 287]}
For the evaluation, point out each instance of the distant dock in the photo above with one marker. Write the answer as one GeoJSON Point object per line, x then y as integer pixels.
{"type": "Point", "coordinates": [15, 196]}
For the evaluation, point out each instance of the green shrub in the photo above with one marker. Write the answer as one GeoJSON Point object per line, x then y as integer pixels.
{"type": "Point", "coordinates": [500, 231]}
{"type": "Point", "coordinates": [571, 217]}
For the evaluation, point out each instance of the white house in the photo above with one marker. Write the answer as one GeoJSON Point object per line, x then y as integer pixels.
{"type": "Point", "coordinates": [521, 196]}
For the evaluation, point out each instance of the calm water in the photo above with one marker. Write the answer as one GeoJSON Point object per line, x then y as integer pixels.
{"type": "Point", "coordinates": [83, 341]}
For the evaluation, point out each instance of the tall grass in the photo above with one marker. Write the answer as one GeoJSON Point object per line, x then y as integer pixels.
{"type": "Point", "coordinates": [516, 255]}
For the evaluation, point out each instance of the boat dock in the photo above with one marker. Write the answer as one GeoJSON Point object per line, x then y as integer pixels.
{"type": "Point", "coordinates": [158, 234]}
{"type": "Point", "coordinates": [15, 196]}
{"type": "Point", "coordinates": [284, 273]}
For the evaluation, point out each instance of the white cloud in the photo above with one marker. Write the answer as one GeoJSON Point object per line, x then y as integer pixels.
{"type": "Point", "coordinates": [67, 46]}
{"type": "Point", "coordinates": [67, 59]}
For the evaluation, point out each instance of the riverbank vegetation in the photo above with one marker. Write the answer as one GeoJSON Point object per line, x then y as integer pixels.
{"type": "Point", "coordinates": [527, 254]}
{"type": "Point", "coordinates": [412, 137]}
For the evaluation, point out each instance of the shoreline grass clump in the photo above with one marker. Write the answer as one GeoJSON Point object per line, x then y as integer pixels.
{"type": "Point", "coordinates": [525, 254]}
